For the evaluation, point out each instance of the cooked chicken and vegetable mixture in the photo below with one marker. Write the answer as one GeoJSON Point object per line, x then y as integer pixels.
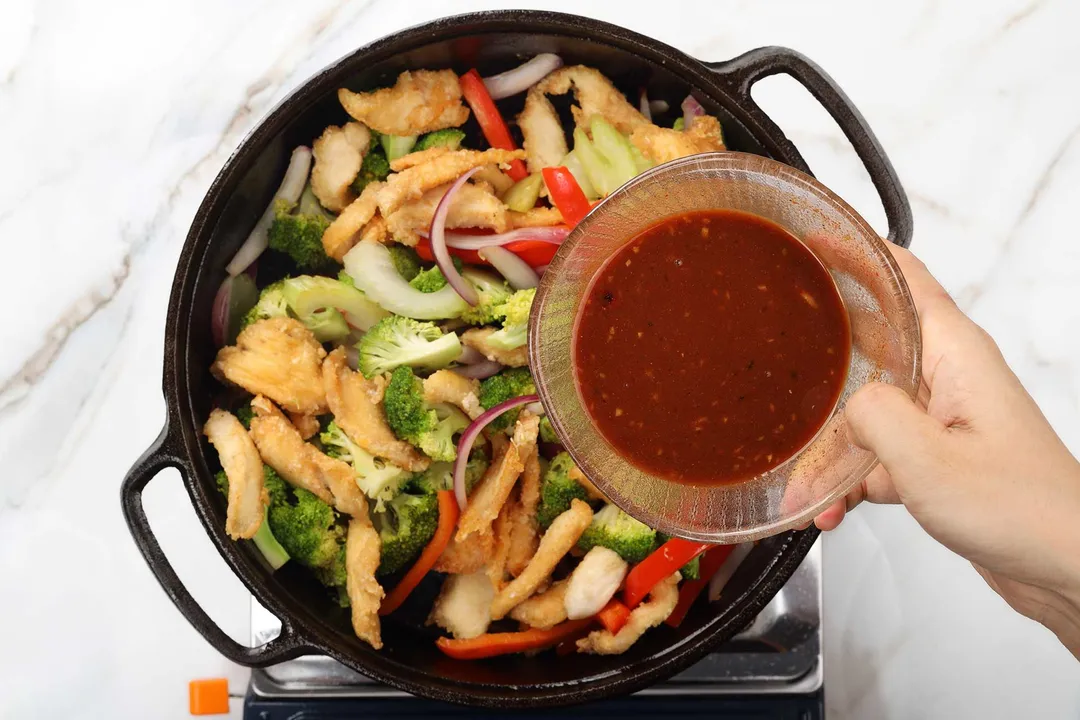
{"type": "Point", "coordinates": [381, 423]}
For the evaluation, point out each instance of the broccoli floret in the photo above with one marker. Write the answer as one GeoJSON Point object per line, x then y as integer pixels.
{"type": "Point", "coordinates": [306, 527]}
{"type": "Point", "coordinates": [379, 479]}
{"type": "Point", "coordinates": [558, 489]}
{"type": "Point", "coordinates": [615, 530]}
{"type": "Point", "coordinates": [333, 576]}
{"type": "Point", "coordinates": [299, 235]}
{"type": "Point", "coordinates": [405, 260]}
{"type": "Point", "coordinates": [547, 432]}
{"type": "Point", "coordinates": [440, 475]}
{"type": "Point", "coordinates": [264, 538]}
{"type": "Point", "coordinates": [373, 168]}
{"type": "Point", "coordinates": [493, 292]}
{"type": "Point", "coordinates": [431, 428]}
{"type": "Point", "coordinates": [271, 304]}
{"type": "Point", "coordinates": [326, 324]}
{"type": "Point", "coordinates": [515, 314]}
{"type": "Point", "coordinates": [397, 340]}
{"type": "Point", "coordinates": [244, 413]}
{"type": "Point", "coordinates": [510, 383]}
{"type": "Point", "coordinates": [450, 137]}
{"type": "Point", "coordinates": [432, 279]}
{"type": "Point", "coordinates": [406, 524]}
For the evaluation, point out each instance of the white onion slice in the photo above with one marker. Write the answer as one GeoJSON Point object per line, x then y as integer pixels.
{"type": "Point", "coordinates": [438, 243]}
{"type": "Point", "coordinates": [470, 356]}
{"type": "Point", "coordinates": [691, 109]}
{"type": "Point", "coordinates": [465, 443]}
{"type": "Point", "coordinates": [536, 408]}
{"type": "Point", "coordinates": [643, 104]}
{"type": "Point", "coordinates": [479, 371]}
{"type": "Point", "coordinates": [658, 106]}
{"type": "Point", "coordinates": [516, 271]}
{"type": "Point", "coordinates": [292, 185]}
{"type": "Point", "coordinates": [553, 235]}
{"type": "Point", "coordinates": [352, 356]}
{"type": "Point", "coordinates": [219, 312]}
{"type": "Point", "coordinates": [725, 571]}
{"type": "Point", "coordinates": [522, 77]}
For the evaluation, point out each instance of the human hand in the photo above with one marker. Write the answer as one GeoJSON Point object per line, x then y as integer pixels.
{"type": "Point", "coordinates": [976, 464]}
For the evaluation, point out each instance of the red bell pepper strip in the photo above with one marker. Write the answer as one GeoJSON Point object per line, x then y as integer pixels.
{"type": "Point", "coordinates": [712, 560]}
{"type": "Point", "coordinates": [490, 120]}
{"type": "Point", "coordinates": [534, 252]}
{"type": "Point", "coordinates": [494, 644]}
{"type": "Point", "coordinates": [663, 561]}
{"type": "Point", "coordinates": [566, 194]}
{"type": "Point", "coordinates": [448, 517]}
{"type": "Point", "coordinates": [614, 616]}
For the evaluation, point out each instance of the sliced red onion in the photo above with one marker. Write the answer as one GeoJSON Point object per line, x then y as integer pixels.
{"type": "Point", "coordinates": [470, 356]}
{"type": "Point", "coordinates": [691, 109]}
{"type": "Point", "coordinates": [522, 77]}
{"type": "Point", "coordinates": [292, 185]}
{"type": "Point", "coordinates": [438, 243]}
{"type": "Point", "coordinates": [219, 313]}
{"type": "Point", "coordinates": [643, 104]}
{"type": "Point", "coordinates": [462, 241]}
{"type": "Point", "coordinates": [516, 271]}
{"type": "Point", "coordinates": [550, 450]}
{"type": "Point", "coordinates": [536, 408]}
{"type": "Point", "coordinates": [234, 298]}
{"type": "Point", "coordinates": [541, 269]}
{"type": "Point", "coordinates": [352, 356]}
{"type": "Point", "coordinates": [479, 371]}
{"type": "Point", "coordinates": [724, 573]}
{"type": "Point", "coordinates": [658, 106]}
{"type": "Point", "coordinates": [468, 437]}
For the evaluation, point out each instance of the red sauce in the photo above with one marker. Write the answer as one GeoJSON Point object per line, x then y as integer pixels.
{"type": "Point", "coordinates": [711, 347]}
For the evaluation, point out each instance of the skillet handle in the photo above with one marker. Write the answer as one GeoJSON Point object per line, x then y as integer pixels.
{"type": "Point", "coordinates": [743, 71]}
{"type": "Point", "coordinates": [158, 456]}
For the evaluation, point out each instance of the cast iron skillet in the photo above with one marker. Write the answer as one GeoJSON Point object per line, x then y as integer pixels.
{"type": "Point", "coordinates": [311, 623]}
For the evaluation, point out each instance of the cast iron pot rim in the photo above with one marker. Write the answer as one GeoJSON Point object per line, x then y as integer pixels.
{"type": "Point", "coordinates": [317, 636]}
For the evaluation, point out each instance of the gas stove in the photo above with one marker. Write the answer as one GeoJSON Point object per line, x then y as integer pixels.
{"type": "Point", "coordinates": [772, 669]}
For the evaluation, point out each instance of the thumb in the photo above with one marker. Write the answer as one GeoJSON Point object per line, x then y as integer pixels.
{"type": "Point", "coordinates": [884, 420]}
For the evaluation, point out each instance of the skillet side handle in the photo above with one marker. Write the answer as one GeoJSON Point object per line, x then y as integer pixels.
{"type": "Point", "coordinates": [742, 72]}
{"type": "Point", "coordinates": [157, 457]}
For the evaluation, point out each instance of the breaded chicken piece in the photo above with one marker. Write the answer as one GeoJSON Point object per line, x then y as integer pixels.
{"type": "Point", "coordinates": [525, 531]}
{"type": "Point", "coordinates": [655, 610]}
{"type": "Point", "coordinates": [244, 469]}
{"type": "Point", "coordinates": [544, 610]}
{"type": "Point", "coordinates": [447, 386]}
{"type": "Point", "coordinates": [375, 231]}
{"type": "Point", "coordinates": [421, 101]}
{"type": "Point", "coordinates": [499, 181]}
{"type": "Point", "coordinates": [541, 130]}
{"type": "Point", "coordinates": [537, 217]}
{"type": "Point", "coordinates": [478, 339]}
{"type": "Point", "coordinates": [496, 569]}
{"type": "Point", "coordinates": [362, 547]}
{"type": "Point", "coordinates": [663, 144]}
{"type": "Point", "coordinates": [462, 607]}
{"type": "Point", "coordinates": [557, 541]}
{"type": "Point", "coordinates": [277, 357]}
{"type": "Point", "coordinates": [418, 158]}
{"type": "Point", "coordinates": [412, 183]}
{"type": "Point", "coordinates": [306, 424]}
{"type": "Point", "coordinates": [301, 464]}
{"type": "Point", "coordinates": [591, 490]}
{"type": "Point", "coordinates": [345, 231]}
{"type": "Point", "coordinates": [494, 488]}
{"type": "Point", "coordinates": [595, 96]}
{"type": "Point", "coordinates": [338, 153]}
{"type": "Point", "coordinates": [468, 556]}
{"type": "Point", "coordinates": [350, 397]}
{"type": "Point", "coordinates": [472, 206]}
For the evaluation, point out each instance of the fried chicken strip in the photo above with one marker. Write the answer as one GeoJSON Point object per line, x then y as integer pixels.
{"type": "Point", "coordinates": [595, 96]}
{"type": "Point", "coordinates": [415, 181]}
{"type": "Point", "coordinates": [348, 227]}
{"type": "Point", "coordinates": [655, 610]}
{"type": "Point", "coordinates": [663, 144]}
{"type": "Point", "coordinates": [542, 132]}
{"type": "Point", "coordinates": [525, 531]}
{"type": "Point", "coordinates": [244, 469]}
{"type": "Point", "coordinates": [421, 101]}
{"type": "Point", "coordinates": [557, 541]}
{"type": "Point", "coordinates": [544, 610]}
{"type": "Point", "coordinates": [447, 386]}
{"type": "Point", "coordinates": [418, 158]}
{"type": "Point", "coordinates": [474, 206]}
{"type": "Point", "coordinates": [362, 547]}
{"type": "Point", "coordinates": [502, 528]}
{"type": "Point", "coordinates": [490, 494]}
{"type": "Point", "coordinates": [462, 605]}
{"type": "Point", "coordinates": [279, 358]}
{"type": "Point", "coordinates": [307, 425]}
{"type": "Point", "coordinates": [537, 217]}
{"type": "Point", "coordinates": [350, 397]}
{"type": "Point", "coordinates": [338, 153]}
{"type": "Point", "coordinates": [479, 339]}
{"type": "Point", "coordinates": [468, 556]}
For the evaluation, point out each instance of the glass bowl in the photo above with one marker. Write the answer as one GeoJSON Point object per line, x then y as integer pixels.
{"type": "Point", "coordinates": [885, 347]}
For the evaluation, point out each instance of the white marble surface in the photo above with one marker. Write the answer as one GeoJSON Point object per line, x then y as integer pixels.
{"type": "Point", "coordinates": [115, 117]}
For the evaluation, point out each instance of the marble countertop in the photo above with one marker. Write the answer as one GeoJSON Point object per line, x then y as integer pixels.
{"type": "Point", "coordinates": [116, 117]}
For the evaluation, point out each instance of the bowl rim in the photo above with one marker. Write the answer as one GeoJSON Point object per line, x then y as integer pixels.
{"type": "Point", "coordinates": [180, 442]}
{"type": "Point", "coordinates": [547, 367]}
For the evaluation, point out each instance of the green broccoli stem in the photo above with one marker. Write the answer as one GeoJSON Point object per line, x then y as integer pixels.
{"type": "Point", "coordinates": [268, 545]}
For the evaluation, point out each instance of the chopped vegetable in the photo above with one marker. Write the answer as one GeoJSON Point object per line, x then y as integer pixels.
{"type": "Point", "coordinates": [490, 119]}
{"type": "Point", "coordinates": [431, 428]}
{"type": "Point", "coordinates": [572, 162]}
{"type": "Point", "coordinates": [522, 77]}
{"type": "Point", "coordinates": [515, 313]}
{"type": "Point", "coordinates": [495, 644]}
{"type": "Point", "coordinates": [465, 444]}
{"type": "Point", "coordinates": [547, 432]}
{"type": "Point", "coordinates": [510, 383]}
{"type": "Point", "coordinates": [516, 271]}
{"type": "Point", "coordinates": [448, 517]}
{"type": "Point", "coordinates": [566, 194]}
{"type": "Point", "coordinates": [307, 294]}
{"type": "Point", "coordinates": [379, 479]}
{"type": "Point", "coordinates": [276, 555]}
{"type": "Point", "coordinates": [437, 233]}
{"type": "Point", "coordinates": [614, 616]}
{"type": "Point", "coordinates": [662, 563]}
{"type": "Point", "coordinates": [632, 539]}
{"type": "Point", "coordinates": [372, 268]}
{"type": "Point", "coordinates": [396, 146]}
{"type": "Point", "coordinates": [522, 196]}
{"type": "Point", "coordinates": [558, 490]}
{"type": "Point", "coordinates": [397, 340]}
{"type": "Point", "coordinates": [536, 253]}
{"type": "Point", "coordinates": [374, 168]}
{"type": "Point", "coordinates": [492, 292]}
{"type": "Point", "coordinates": [711, 561]}
{"type": "Point", "coordinates": [406, 525]}
{"type": "Point", "coordinates": [449, 138]}
{"type": "Point", "coordinates": [299, 235]}
{"type": "Point", "coordinates": [405, 260]}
